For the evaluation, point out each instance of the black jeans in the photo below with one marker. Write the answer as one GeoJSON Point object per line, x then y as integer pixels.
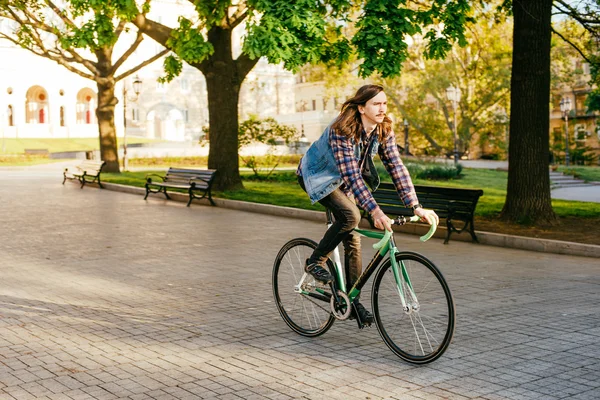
{"type": "Point", "coordinates": [347, 217]}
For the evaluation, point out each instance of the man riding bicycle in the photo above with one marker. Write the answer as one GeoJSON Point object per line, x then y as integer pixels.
{"type": "Point", "coordinates": [335, 171]}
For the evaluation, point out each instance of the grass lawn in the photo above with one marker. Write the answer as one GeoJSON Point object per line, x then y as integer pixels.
{"type": "Point", "coordinates": [284, 190]}
{"type": "Point", "coordinates": [15, 149]}
{"type": "Point", "coordinates": [587, 173]}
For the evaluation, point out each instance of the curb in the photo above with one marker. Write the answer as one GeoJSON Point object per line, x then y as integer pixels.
{"type": "Point", "coordinates": [486, 238]}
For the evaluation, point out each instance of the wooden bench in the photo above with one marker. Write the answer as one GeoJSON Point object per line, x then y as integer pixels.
{"type": "Point", "coordinates": [192, 180]}
{"type": "Point", "coordinates": [453, 204]}
{"type": "Point", "coordinates": [88, 171]}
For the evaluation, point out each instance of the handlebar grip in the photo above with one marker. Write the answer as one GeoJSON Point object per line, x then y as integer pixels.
{"type": "Point", "coordinates": [429, 234]}
{"type": "Point", "coordinates": [383, 241]}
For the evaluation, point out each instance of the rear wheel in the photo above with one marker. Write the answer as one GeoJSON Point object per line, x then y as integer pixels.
{"type": "Point", "coordinates": [304, 306]}
{"type": "Point", "coordinates": [421, 332]}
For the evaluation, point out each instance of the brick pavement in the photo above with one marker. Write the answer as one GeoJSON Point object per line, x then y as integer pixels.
{"type": "Point", "coordinates": [106, 296]}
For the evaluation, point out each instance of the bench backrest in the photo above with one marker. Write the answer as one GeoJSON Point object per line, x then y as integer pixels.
{"type": "Point", "coordinates": [91, 167]}
{"type": "Point", "coordinates": [440, 199]}
{"type": "Point", "coordinates": [202, 177]}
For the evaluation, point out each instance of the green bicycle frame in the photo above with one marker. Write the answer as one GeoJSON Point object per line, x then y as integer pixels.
{"type": "Point", "coordinates": [386, 245]}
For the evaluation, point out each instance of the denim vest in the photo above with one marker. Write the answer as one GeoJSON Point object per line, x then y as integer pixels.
{"type": "Point", "coordinates": [319, 170]}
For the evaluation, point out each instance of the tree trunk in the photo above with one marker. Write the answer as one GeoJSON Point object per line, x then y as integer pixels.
{"type": "Point", "coordinates": [528, 193]}
{"type": "Point", "coordinates": [106, 124]}
{"type": "Point", "coordinates": [106, 110]}
{"type": "Point", "coordinates": [223, 83]}
{"type": "Point", "coordinates": [223, 96]}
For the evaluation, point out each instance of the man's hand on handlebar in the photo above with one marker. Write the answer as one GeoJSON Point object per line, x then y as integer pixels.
{"type": "Point", "coordinates": [380, 220]}
{"type": "Point", "coordinates": [428, 215]}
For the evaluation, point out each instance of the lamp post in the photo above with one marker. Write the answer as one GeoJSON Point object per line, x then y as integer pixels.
{"type": "Point", "coordinates": [565, 107]}
{"type": "Point", "coordinates": [453, 95]}
{"type": "Point", "coordinates": [406, 150]}
{"type": "Point", "coordinates": [137, 86]}
{"type": "Point", "coordinates": [302, 105]}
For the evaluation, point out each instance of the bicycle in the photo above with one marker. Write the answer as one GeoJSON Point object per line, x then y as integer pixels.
{"type": "Point", "coordinates": [411, 301]}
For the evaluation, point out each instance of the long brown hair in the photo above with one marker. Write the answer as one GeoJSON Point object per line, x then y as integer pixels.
{"type": "Point", "coordinates": [349, 123]}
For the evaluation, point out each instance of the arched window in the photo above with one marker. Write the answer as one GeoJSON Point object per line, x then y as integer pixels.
{"type": "Point", "coordinates": [86, 106]}
{"type": "Point", "coordinates": [36, 105]}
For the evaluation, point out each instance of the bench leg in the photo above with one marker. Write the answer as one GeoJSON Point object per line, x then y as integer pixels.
{"type": "Point", "coordinates": [99, 183]}
{"type": "Point", "coordinates": [147, 192]}
{"type": "Point", "coordinates": [191, 195]}
{"type": "Point", "coordinates": [449, 229]}
{"type": "Point", "coordinates": [166, 194]}
{"type": "Point", "coordinates": [210, 198]}
{"type": "Point", "coordinates": [472, 232]}
{"type": "Point", "coordinates": [82, 183]}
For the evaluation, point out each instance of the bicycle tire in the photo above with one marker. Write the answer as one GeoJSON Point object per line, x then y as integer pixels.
{"type": "Point", "coordinates": [424, 334]}
{"type": "Point", "coordinates": [306, 314]}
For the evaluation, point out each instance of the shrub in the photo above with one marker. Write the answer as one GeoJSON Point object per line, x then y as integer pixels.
{"type": "Point", "coordinates": [440, 172]}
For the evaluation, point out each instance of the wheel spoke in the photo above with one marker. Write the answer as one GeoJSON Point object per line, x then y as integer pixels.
{"type": "Point", "coordinates": [306, 315]}
{"type": "Point", "coordinates": [422, 333]}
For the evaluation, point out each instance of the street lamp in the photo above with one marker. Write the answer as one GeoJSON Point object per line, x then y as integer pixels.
{"type": "Point", "coordinates": [137, 87]}
{"type": "Point", "coordinates": [565, 107]}
{"type": "Point", "coordinates": [302, 105]}
{"type": "Point", "coordinates": [454, 94]}
{"type": "Point", "coordinates": [406, 151]}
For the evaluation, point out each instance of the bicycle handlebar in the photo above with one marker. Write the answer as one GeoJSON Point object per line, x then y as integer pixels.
{"type": "Point", "coordinates": [401, 221]}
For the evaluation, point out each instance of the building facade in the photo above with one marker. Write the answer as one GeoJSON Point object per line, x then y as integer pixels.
{"type": "Point", "coordinates": [583, 125]}
{"type": "Point", "coordinates": [41, 99]}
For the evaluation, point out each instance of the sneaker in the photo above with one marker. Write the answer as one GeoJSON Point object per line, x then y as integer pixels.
{"type": "Point", "coordinates": [318, 272]}
{"type": "Point", "coordinates": [365, 316]}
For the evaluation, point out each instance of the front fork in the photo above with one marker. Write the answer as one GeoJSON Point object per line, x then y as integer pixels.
{"type": "Point", "coordinates": [413, 303]}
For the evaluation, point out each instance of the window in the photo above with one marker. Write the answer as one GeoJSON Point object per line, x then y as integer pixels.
{"type": "Point", "coordinates": [36, 105]}
{"type": "Point", "coordinates": [586, 68]}
{"type": "Point", "coordinates": [186, 115]}
{"type": "Point", "coordinates": [185, 85]}
{"type": "Point", "coordinates": [85, 107]}
{"type": "Point", "coordinates": [62, 115]}
{"type": "Point", "coordinates": [10, 116]}
{"type": "Point", "coordinates": [580, 103]}
{"type": "Point", "coordinates": [314, 105]}
{"type": "Point", "coordinates": [135, 114]}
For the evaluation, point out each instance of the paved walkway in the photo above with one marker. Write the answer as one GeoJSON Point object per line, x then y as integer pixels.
{"type": "Point", "coordinates": [106, 296]}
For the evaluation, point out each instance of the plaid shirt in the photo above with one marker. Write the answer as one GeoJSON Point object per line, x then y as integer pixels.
{"type": "Point", "coordinates": [353, 183]}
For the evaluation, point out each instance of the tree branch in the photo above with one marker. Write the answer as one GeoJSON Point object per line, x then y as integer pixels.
{"type": "Point", "coordinates": [46, 54]}
{"type": "Point", "coordinates": [142, 65]}
{"type": "Point", "coordinates": [572, 45]}
{"type": "Point", "coordinates": [244, 64]}
{"type": "Point", "coordinates": [238, 17]}
{"type": "Point", "coordinates": [139, 38]}
{"type": "Point", "coordinates": [156, 31]}
{"type": "Point", "coordinates": [120, 28]}
{"type": "Point", "coordinates": [61, 14]}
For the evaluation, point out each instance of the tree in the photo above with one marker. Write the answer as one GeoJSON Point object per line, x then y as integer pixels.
{"type": "Point", "coordinates": [481, 69]}
{"type": "Point", "coordinates": [294, 33]}
{"type": "Point", "coordinates": [528, 191]}
{"type": "Point", "coordinates": [81, 36]}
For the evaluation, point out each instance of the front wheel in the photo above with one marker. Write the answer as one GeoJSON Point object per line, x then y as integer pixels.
{"type": "Point", "coordinates": [302, 302]}
{"type": "Point", "coordinates": [419, 329]}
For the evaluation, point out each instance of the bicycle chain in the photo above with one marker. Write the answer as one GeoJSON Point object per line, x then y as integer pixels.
{"type": "Point", "coordinates": [328, 309]}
